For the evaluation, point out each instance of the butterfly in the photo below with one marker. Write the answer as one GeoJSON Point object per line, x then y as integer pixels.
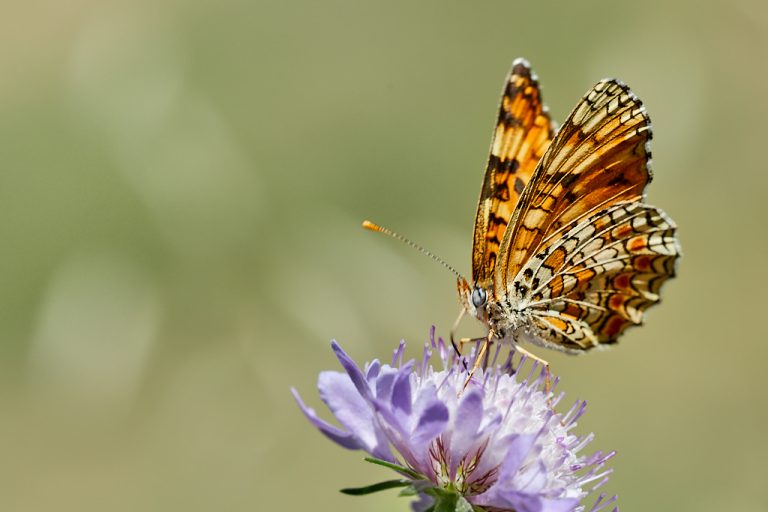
{"type": "Point", "coordinates": [566, 254]}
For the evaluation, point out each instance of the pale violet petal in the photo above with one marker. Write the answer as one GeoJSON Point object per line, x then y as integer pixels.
{"type": "Point", "coordinates": [431, 423]}
{"type": "Point", "coordinates": [335, 434]}
{"type": "Point", "coordinates": [358, 379]}
{"type": "Point", "coordinates": [465, 424]}
{"type": "Point", "coordinates": [523, 502]}
{"type": "Point", "coordinates": [352, 411]}
{"type": "Point", "coordinates": [384, 383]}
{"type": "Point", "coordinates": [519, 446]}
{"type": "Point", "coordinates": [401, 395]}
{"type": "Point", "coordinates": [372, 370]}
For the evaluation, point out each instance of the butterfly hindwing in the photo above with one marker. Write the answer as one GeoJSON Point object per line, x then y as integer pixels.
{"type": "Point", "coordinates": [598, 278]}
{"type": "Point", "coordinates": [522, 133]}
{"type": "Point", "coordinates": [599, 158]}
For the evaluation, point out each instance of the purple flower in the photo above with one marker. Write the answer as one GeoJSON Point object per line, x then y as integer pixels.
{"type": "Point", "coordinates": [496, 445]}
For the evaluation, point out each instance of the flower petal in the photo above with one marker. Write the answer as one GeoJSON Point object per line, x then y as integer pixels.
{"type": "Point", "coordinates": [401, 394]}
{"type": "Point", "coordinates": [411, 433]}
{"type": "Point", "coordinates": [353, 412]}
{"type": "Point", "coordinates": [335, 434]}
{"type": "Point", "coordinates": [372, 370]}
{"type": "Point", "coordinates": [358, 379]}
{"type": "Point", "coordinates": [384, 383]}
{"type": "Point", "coordinates": [518, 446]}
{"type": "Point", "coordinates": [423, 503]}
{"type": "Point", "coordinates": [464, 426]}
{"type": "Point", "coordinates": [431, 424]}
{"type": "Point", "coordinates": [532, 479]}
{"type": "Point", "coordinates": [518, 450]}
{"type": "Point", "coordinates": [522, 502]}
{"type": "Point", "coordinates": [397, 355]}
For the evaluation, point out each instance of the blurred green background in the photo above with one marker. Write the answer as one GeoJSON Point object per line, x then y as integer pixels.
{"type": "Point", "coordinates": [181, 188]}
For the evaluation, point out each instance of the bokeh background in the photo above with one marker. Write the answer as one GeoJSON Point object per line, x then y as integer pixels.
{"type": "Point", "coordinates": [181, 188]}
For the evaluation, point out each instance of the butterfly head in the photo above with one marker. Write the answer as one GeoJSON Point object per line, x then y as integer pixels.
{"type": "Point", "coordinates": [474, 298]}
{"type": "Point", "coordinates": [478, 297]}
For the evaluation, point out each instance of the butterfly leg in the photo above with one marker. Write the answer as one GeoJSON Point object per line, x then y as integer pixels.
{"type": "Point", "coordinates": [453, 331]}
{"type": "Point", "coordinates": [545, 364]}
{"type": "Point", "coordinates": [464, 341]}
{"type": "Point", "coordinates": [480, 357]}
{"type": "Point", "coordinates": [457, 346]}
{"type": "Point", "coordinates": [483, 350]}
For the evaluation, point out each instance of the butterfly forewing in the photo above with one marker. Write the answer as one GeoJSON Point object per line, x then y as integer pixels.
{"type": "Point", "coordinates": [599, 158]}
{"type": "Point", "coordinates": [523, 132]}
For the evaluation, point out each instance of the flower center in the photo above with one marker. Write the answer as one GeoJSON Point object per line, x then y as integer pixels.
{"type": "Point", "coordinates": [466, 480]}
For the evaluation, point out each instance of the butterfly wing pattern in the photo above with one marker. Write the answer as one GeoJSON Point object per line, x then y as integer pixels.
{"type": "Point", "coordinates": [523, 132]}
{"type": "Point", "coordinates": [597, 279]}
{"type": "Point", "coordinates": [581, 256]}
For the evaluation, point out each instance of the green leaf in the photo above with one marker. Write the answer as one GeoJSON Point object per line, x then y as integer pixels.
{"type": "Point", "coordinates": [448, 500]}
{"type": "Point", "coordinates": [446, 503]}
{"type": "Point", "coordinates": [462, 505]}
{"type": "Point", "coordinates": [381, 486]}
{"type": "Point", "coordinates": [439, 492]}
{"type": "Point", "coordinates": [391, 465]}
{"type": "Point", "coordinates": [445, 499]}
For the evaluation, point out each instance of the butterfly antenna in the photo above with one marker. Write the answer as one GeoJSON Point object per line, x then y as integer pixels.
{"type": "Point", "coordinates": [379, 229]}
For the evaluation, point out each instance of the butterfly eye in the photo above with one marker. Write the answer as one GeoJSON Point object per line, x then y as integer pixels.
{"type": "Point", "coordinates": [478, 297]}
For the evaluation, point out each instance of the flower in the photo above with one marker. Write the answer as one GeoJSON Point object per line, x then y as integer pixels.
{"type": "Point", "coordinates": [494, 445]}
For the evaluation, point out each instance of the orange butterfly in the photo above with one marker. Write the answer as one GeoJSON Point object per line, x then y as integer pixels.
{"type": "Point", "coordinates": [565, 253]}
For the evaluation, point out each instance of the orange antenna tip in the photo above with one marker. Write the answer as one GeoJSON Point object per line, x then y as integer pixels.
{"type": "Point", "coordinates": [379, 229]}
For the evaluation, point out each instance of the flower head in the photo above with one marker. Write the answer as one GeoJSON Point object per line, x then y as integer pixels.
{"type": "Point", "coordinates": [496, 445]}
